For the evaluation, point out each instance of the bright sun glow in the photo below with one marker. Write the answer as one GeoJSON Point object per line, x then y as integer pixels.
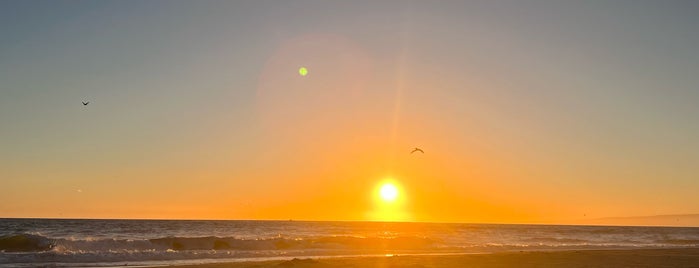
{"type": "Point", "coordinates": [388, 192]}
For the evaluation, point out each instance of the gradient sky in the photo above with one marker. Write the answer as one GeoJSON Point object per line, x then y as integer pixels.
{"type": "Point", "coordinates": [528, 111]}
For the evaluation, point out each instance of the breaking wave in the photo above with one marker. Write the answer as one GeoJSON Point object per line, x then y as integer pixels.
{"type": "Point", "coordinates": [30, 248]}
{"type": "Point", "coordinates": [24, 243]}
{"type": "Point", "coordinates": [37, 243]}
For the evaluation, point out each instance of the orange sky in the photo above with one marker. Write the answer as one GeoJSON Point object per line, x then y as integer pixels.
{"type": "Point", "coordinates": [199, 112]}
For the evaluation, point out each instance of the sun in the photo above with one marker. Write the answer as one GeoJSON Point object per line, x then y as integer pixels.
{"type": "Point", "coordinates": [388, 192]}
{"type": "Point", "coordinates": [390, 200]}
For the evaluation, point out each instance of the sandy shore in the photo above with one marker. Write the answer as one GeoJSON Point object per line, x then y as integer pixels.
{"type": "Point", "coordinates": [589, 258]}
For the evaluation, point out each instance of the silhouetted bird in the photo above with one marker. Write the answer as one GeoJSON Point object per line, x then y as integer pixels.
{"type": "Point", "coordinates": [85, 103]}
{"type": "Point", "coordinates": [417, 150]}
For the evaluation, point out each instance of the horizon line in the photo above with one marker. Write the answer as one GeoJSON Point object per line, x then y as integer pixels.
{"type": "Point", "coordinates": [379, 221]}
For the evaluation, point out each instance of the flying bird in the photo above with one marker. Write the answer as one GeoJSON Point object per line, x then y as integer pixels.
{"type": "Point", "coordinates": [85, 103]}
{"type": "Point", "coordinates": [417, 150]}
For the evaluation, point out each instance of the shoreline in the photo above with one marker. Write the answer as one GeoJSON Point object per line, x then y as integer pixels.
{"type": "Point", "coordinates": [676, 257]}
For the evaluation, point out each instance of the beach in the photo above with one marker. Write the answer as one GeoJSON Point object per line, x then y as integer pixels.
{"type": "Point", "coordinates": [688, 257]}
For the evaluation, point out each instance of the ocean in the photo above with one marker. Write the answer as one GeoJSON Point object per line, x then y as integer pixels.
{"type": "Point", "coordinates": [111, 243]}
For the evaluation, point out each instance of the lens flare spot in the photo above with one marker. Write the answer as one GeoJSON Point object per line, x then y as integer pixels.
{"type": "Point", "coordinates": [303, 71]}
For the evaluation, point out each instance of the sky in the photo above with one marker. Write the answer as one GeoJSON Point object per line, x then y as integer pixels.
{"type": "Point", "coordinates": [527, 111]}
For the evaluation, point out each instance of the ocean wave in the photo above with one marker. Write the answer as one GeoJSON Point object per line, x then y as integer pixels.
{"type": "Point", "coordinates": [25, 243]}
{"type": "Point", "coordinates": [37, 243]}
{"type": "Point", "coordinates": [30, 248]}
{"type": "Point", "coordinates": [685, 242]}
{"type": "Point", "coordinates": [33, 248]}
{"type": "Point", "coordinates": [552, 240]}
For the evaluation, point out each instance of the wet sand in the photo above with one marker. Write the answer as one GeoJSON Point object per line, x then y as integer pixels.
{"type": "Point", "coordinates": [583, 258]}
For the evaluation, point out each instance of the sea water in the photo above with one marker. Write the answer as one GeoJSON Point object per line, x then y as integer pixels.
{"type": "Point", "coordinates": [75, 243]}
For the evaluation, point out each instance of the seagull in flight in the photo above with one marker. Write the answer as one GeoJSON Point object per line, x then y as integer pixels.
{"type": "Point", "coordinates": [85, 103]}
{"type": "Point", "coordinates": [417, 150]}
